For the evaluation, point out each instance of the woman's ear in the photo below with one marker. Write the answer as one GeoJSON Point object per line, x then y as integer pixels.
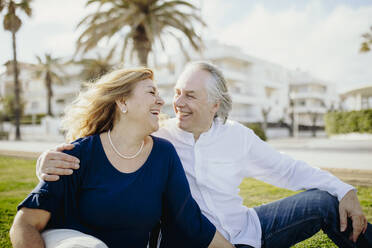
{"type": "Point", "coordinates": [119, 103]}
{"type": "Point", "coordinates": [122, 106]}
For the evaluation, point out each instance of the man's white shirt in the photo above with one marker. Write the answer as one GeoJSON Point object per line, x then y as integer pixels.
{"type": "Point", "coordinates": [222, 157]}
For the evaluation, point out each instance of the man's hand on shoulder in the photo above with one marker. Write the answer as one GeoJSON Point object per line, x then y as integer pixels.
{"type": "Point", "coordinates": [349, 207]}
{"type": "Point", "coordinates": [54, 163]}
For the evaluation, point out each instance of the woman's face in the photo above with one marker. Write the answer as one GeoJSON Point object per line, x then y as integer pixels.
{"type": "Point", "coordinates": [144, 105]}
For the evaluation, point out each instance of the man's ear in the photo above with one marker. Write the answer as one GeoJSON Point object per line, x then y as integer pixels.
{"type": "Point", "coordinates": [216, 106]}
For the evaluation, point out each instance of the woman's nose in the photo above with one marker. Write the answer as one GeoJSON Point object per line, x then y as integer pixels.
{"type": "Point", "coordinates": [160, 100]}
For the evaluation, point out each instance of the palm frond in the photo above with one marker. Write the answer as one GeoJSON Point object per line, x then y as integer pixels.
{"type": "Point", "coordinates": [107, 28]}
{"type": "Point", "coordinates": [25, 6]}
{"type": "Point", "coordinates": [365, 47]}
{"type": "Point", "coordinates": [38, 59]}
{"type": "Point", "coordinates": [367, 43]}
{"type": "Point", "coordinates": [173, 4]}
{"type": "Point", "coordinates": [189, 32]}
{"type": "Point", "coordinates": [2, 5]}
{"type": "Point", "coordinates": [146, 19]}
{"type": "Point", "coordinates": [182, 47]}
{"type": "Point", "coordinates": [124, 48]}
{"type": "Point", "coordinates": [111, 53]}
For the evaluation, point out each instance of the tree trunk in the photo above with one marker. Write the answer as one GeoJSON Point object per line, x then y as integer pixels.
{"type": "Point", "coordinates": [264, 124]}
{"type": "Point", "coordinates": [313, 128]}
{"type": "Point", "coordinates": [17, 90]}
{"type": "Point", "coordinates": [291, 126]}
{"type": "Point", "coordinates": [142, 52]}
{"type": "Point", "coordinates": [48, 84]}
{"type": "Point", "coordinates": [142, 45]}
{"type": "Point", "coordinates": [265, 115]}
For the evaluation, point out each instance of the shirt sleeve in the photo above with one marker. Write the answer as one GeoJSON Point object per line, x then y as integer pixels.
{"type": "Point", "coordinates": [281, 170]}
{"type": "Point", "coordinates": [183, 218]}
{"type": "Point", "coordinates": [59, 197]}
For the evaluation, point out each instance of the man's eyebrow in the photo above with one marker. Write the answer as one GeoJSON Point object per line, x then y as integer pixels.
{"type": "Point", "coordinates": [189, 91]}
{"type": "Point", "coordinates": [186, 91]}
{"type": "Point", "coordinates": [152, 87]}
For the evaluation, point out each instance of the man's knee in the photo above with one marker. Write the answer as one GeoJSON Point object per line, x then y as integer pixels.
{"type": "Point", "coordinates": [326, 203]}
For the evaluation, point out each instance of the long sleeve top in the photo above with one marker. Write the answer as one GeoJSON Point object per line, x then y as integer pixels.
{"type": "Point", "coordinates": [221, 158]}
{"type": "Point", "coordinates": [120, 208]}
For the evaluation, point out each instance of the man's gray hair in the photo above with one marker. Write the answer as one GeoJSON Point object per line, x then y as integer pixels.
{"type": "Point", "coordinates": [218, 91]}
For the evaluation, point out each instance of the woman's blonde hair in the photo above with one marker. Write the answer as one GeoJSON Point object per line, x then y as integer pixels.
{"type": "Point", "coordinates": [94, 110]}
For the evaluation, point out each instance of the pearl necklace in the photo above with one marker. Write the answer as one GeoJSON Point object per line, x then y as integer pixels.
{"type": "Point", "coordinates": [121, 155]}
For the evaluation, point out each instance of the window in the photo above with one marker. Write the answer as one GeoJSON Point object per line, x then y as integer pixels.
{"type": "Point", "coordinates": [34, 105]}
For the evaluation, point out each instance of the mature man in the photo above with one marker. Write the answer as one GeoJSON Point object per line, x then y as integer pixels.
{"type": "Point", "coordinates": [218, 153]}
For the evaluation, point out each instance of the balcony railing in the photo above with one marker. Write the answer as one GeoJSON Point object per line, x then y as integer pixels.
{"type": "Point", "coordinates": [305, 95]}
{"type": "Point", "coordinates": [245, 99]}
{"type": "Point", "coordinates": [310, 109]}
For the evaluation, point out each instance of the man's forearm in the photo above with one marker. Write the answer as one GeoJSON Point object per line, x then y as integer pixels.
{"type": "Point", "coordinates": [219, 241]}
{"type": "Point", "coordinates": [25, 236]}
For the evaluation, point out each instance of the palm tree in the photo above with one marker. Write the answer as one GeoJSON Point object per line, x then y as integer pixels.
{"type": "Point", "coordinates": [366, 45]}
{"type": "Point", "coordinates": [142, 21]}
{"type": "Point", "coordinates": [95, 68]}
{"type": "Point", "coordinates": [51, 71]}
{"type": "Point", "coordinates": [12, 23]}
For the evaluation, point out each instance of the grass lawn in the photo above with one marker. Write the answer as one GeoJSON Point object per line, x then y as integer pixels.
{"type": "Point", "coordinates": [17, 178]}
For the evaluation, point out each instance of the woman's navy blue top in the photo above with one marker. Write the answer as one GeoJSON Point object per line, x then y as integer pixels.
{"type": "Point", "coordinates": [122, 208]}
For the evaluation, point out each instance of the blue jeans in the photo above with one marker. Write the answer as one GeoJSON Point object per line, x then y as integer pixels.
{"type": "Point", "coordinates": [296, 218]}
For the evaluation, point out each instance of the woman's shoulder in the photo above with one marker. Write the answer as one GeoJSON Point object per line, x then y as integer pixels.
{"type": "Point", "coordinates": [86, 140]}
{"type": "Point", "coordinates": [162, 143]}
{"type": "Point", "coordinates": [83, 145]}
{"type": "Point", "coordinates": [165, 150]}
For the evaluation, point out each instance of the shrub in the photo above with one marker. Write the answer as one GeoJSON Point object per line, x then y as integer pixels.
{"type": "Point", "coordinates": [348, 122]}
{"type": "Point", "coordinates": [27, 119]}
{"type": "Point", "coordinates": [257, 129]}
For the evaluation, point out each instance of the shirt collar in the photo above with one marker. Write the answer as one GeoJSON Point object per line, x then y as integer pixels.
{"type": "Point", "coordinates": [188, 138]}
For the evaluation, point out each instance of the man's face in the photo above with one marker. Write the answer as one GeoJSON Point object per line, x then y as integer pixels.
{"type": "Point", "coordinates": [193, 110]}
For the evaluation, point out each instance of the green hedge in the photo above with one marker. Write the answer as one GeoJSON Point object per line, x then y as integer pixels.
{"type": "Point", "coordinates": [257, 129]}
{"type": "Point", "coordinates": [348, 122]}
{"type": "Point", "coordinates": [25, 119]}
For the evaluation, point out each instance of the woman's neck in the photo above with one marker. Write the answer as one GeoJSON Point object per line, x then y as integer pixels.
{"type": "Point", "coordinates": [127, 137]}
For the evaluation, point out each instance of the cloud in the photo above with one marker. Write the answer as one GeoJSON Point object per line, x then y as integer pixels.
{"type": "Point", "coordinates": [315, 38]}
{"type": "Point", "coordinates": [51, 29]}
{"type": "Point", "coordinates": [60, 44]}
{"type": "Point", "coordinates": [57, 11]}
{"type": "Point", "coordinates": [322, 37]}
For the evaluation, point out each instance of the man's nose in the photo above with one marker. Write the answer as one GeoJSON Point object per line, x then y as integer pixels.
{"type": "Point", "coordinates": [179, 101]}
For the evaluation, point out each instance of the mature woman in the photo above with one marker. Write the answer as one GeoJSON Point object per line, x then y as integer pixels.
{"type": "Point", "coordinates": [127, 181]}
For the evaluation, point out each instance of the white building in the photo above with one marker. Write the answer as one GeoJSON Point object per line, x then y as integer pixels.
{"type": "Point", "coordinates": [260, 90]}
{"type": "Point", "coordinates": [357, 98]}
{"type": "Point", "coordinates": [311, 99]}
{"type": "Point", "coordinates": [256, 86]}
{"type": "Point", "coordinates": [33, 90]}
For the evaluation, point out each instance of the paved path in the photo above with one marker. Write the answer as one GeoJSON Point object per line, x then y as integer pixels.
{"type": "Point", "coordinates": [328, 153]}
{"type": "Point", "coordinates": [28, 149]}
{"type": "Point", "coordinates": [350, 160]}
{"type": "Point", "coordinates": [321, 152]}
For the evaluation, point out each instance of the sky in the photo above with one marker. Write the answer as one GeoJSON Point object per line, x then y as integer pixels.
{"type": "Point", "coordinates": [321, 37]}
